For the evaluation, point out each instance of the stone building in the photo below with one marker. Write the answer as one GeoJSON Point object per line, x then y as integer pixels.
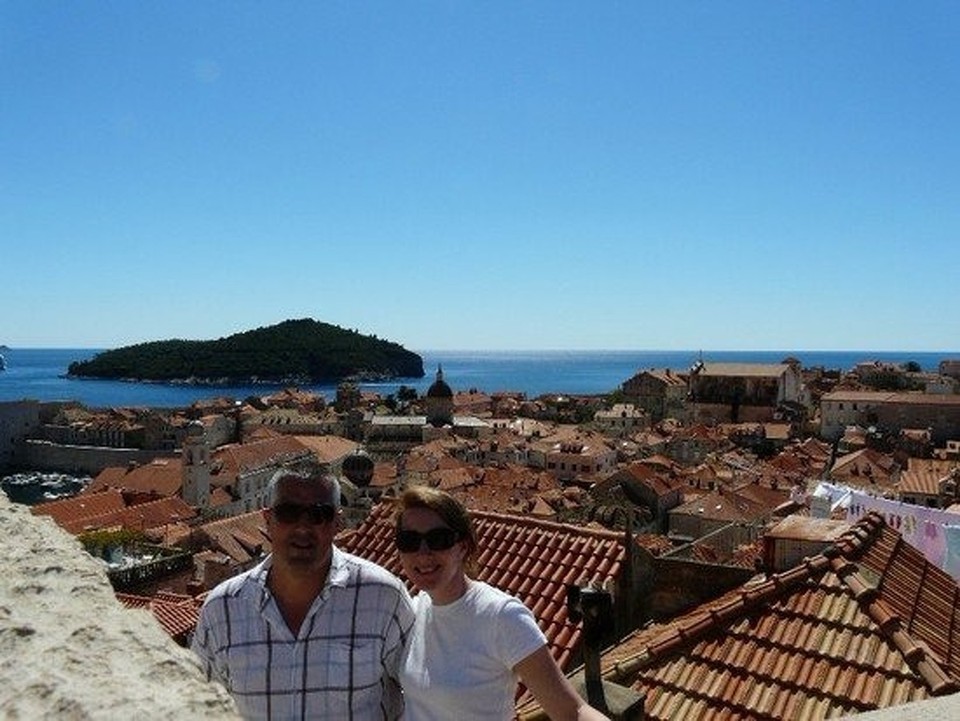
{"type": "Point", "coordinates": [621, 420]}
{"type": "Point", "coordinates": [660, 392]}
{"type": "Point", "coordinates": [18, 419]}
{"type": "Point", "coordinates": [744, 392]}
{"type": "Point", "coordinates": [890, 413]}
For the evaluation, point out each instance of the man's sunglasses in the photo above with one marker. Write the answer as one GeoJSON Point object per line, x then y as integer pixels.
{"type": "Point", "coordinates": [317, 513]}
{"type": "Point", "coordinates": [438, 539]}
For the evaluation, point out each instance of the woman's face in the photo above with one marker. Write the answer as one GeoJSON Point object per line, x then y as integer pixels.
{"type": "Point", "coordinates": [438, 572]}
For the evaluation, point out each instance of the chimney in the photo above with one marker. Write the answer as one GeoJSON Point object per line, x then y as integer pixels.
{"type": "Point", "coordinates": [594, 607]}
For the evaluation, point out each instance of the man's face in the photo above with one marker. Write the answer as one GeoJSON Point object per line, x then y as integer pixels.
{"type": "Point", "coordinates": [301, 531]}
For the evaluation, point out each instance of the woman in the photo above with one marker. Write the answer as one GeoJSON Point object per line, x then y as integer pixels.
{"type": "Point", "coordinates": [470, 641]}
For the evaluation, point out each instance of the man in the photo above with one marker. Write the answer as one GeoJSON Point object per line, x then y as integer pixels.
{"type": "Point", "coordinates": [312, 631]}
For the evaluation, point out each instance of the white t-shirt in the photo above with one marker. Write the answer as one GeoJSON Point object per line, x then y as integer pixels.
{"type": "Point", "coordinates": [459, 658]}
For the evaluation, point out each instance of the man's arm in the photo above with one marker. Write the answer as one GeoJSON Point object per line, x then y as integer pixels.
{"type": "Point", "coordinates": [394, 643]}
{"type": "Point", "coordinates": [202, 646]}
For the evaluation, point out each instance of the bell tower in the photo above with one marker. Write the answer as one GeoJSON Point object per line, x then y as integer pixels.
{"type": "Point", "coordinates": [196, 467]}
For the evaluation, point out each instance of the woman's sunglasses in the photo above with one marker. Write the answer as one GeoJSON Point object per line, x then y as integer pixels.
{"type": "Point", "coordinates": [317, 513]}
{"type": "Point", "coordinates": [437, 539]}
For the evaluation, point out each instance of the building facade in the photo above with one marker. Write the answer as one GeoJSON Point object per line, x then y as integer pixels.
{"type": "Point", "coordinates": [891, 413]}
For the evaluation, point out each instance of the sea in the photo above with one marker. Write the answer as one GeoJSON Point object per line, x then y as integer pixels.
{"type": "Point", "coordinates": [41, 373]}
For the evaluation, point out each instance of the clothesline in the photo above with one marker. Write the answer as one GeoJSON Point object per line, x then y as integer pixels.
{"type": "Point", "coordinates": [932, 531]}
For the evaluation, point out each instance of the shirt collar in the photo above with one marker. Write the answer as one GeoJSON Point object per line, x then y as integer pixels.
{"type": "Point", "coordinates": [339, 574]}
{"type": "Point", "coordinates": [259, 576]}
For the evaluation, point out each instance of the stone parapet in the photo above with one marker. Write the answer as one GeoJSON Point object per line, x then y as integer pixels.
{"type": "Point", "coordinates": [70, 650]}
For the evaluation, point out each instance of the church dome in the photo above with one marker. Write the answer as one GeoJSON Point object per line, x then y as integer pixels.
{"type": "Point", "coordinates": [358, 467]}
{"type": "Point", "coordinates": [439, 388]}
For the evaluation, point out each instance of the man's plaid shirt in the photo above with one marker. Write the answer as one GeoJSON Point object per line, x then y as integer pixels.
{"type": "Point", "coordinates": [342, 665]}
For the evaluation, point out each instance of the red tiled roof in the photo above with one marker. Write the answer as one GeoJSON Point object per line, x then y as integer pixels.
{"type": "Point", "coordinates": [243, 538]}
{"type": "Point", "coordinates": [519, 477]}
{"type": "Point", "coordinates": [162, 475]}
{"type": "Point", "coordinates": [867, 456]}
{"type": "Point", "coordinates": [724, 506]}
{"type": "Point", "coordinates": [384, 475]}
{"type": "Point", "coordinates": [542, 509]}
{"type": "Point", "coordinates": [814, 448]}
{"type": "Point", "coordinates": [767, 497]}
{"type": "Point", "coordinates": [737, 370]}
{"type": "Point", "coordinates": [924, 482]}
{"type": "Point", "coordinates": [328, 448]}
{"type": "Point", "coordinates": [655, 543]}
{"type": "Point", "coordinates": [868, 624]}
{"type": "Point", "coordinates": [108, 509]}
{"type": "Point", "coordinates": [666, 376]}
{"type": "Point", "coordinates": [251, 456]}
{"type": "Point", "coordinates": [532, 559]}
{"type": "Point", "coordinates": [510, 489]}
{"type": "Point", "coordinates": [924, 476]}
{"type": "Point", "coordinates": [140, 517]}
{"type": "Point", "coordinates": [863, 467]}
{"type": "Point", "coordinates": [933, 465]}
{"type": "Point", "coordinates": [175, 613]}
{"type": "Point", "coordinates": [449, 479]}
{"type": "Point", "coordinates": [86, 505]}
{"type": "Point", "coordinates": [259, 433]}
{"type": "Point", "coordinates": [660, 460]}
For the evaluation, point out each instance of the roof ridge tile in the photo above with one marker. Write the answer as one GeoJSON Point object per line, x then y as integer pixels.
{"type": "Point", "coordinates": [545, 525]}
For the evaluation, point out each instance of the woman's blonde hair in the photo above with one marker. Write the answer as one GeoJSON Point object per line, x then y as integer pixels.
{"type": "Point", "coordinates": [451, 511]}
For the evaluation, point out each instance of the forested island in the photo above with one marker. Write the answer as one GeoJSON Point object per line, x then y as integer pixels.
{"type": "Point", "coordinates": [295, 351]}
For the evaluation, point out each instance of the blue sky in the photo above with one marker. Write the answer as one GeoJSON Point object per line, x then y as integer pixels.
{"type": "Point", "coordinates": [483, 175]}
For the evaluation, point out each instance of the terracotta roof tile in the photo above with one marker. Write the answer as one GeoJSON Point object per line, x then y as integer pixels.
{"type": "Point", "coordinates": [162, 475]}
{"type": "Point", "coordinates": [243, 538]}
{"type": "Point", "coordinates": [176, 614]}
{"type": "Point", "coordinates": [109, 509]}
{"type": "Point", "coordinates": [140, 516]}
{"type": "Point", "coordinates": [86, 505]}
{"type": "Point", "coordinates": [922, 478]}
{"type": "Point", "coordinates": [328, 449]}
{"type": "Point", "coordinates": [238, 458]}
{"type": "Point", "coordinates": [868, 624]}
{"type": "Point", "coordinates": [756, 370]}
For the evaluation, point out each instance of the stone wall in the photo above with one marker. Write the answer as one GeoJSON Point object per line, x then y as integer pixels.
{"type": "Point", "coordinates": [17, 420]}
{"type": "Point", "coordinates": [47, 456]}
{"type": "Point", "coordinates": [69, 650]}
{"type": "Point", "coordinates": [678, 584]}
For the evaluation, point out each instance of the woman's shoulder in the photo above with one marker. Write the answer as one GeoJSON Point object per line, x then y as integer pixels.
{"type": "Point", "coordinates": [487, 598]}
{"type": "Point", "coordinates": [517, 633]}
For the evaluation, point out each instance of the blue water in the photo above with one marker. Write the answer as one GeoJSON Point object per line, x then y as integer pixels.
{"type": "Point", "coordinates": [39, 373]}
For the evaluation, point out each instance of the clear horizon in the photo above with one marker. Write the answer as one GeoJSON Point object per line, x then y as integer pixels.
{"type": "Point", "coordinates": [534, 176]}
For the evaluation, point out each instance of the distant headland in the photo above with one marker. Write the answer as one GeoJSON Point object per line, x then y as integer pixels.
{"type": "Point", "coordinates": [299, 351]}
